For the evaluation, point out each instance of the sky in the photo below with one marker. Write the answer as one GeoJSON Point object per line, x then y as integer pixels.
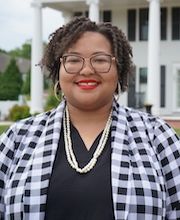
{"type": "Point", "coordinates": [16, 23]}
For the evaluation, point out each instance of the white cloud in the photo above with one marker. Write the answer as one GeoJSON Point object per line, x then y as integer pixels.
{"type": "Point", "coordinates": [16, 22]}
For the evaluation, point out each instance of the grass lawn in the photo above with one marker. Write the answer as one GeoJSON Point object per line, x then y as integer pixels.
{"type": "Point", "coordinates": [178, 131]}
{"type": "Point", "coordinates": [4, 127]}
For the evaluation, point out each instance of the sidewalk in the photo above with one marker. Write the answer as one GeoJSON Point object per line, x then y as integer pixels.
{"type": "Point", "coordinates": [6, 122]}
{"type": "Point", "coordinates": [173, 121]}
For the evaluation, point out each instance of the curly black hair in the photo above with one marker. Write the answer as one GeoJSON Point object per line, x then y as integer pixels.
{"type": "Point", "coordinates": [67, 35]}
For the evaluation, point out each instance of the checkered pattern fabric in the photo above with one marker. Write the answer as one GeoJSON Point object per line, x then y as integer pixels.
{"type": "Point", "coordinates": [145, 166]}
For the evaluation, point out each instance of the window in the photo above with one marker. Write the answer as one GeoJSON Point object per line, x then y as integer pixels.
{"type": "Point", "coordinates": [132, 25]}
{"type": "Point", "coordinates": [132, 89]}
{"type": "Point", "coordinates": [142, 85]}
{"type": "Point", "coordinates": [78, 13]}
{"type": "Point", "coordinates": [107, 16]}
{"type": "Point", "coordinates": [86, 14]}
{"type": "Point", "coordinates": [143, 24]}
{"type": "Point", "coordinates": [142, 76]}
{"type": "Point", "coordinates": [163, 23]}
{"type": "Point", "coordinates": [81, 13]}
{"type": "Point", "coordinates": [163, 86]}
{"type": "Point", "coordinates": [176, 23]}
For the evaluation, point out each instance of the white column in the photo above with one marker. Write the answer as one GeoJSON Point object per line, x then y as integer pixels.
{"type": "Point", "coordinates": [93, 10]}
{"type": "Point", "coordinates": [153, 82]}
{"type": "Point", "coordinates": [36, 55]}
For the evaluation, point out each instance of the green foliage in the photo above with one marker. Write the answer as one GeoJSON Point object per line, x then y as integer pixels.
{"type": "Point", "coordinates": [24, 51]}
{"type": "Point", "coordinates": [47, 83]}
{"type": "Point", "coordinates": [19, 112]}
{"type": "Point", "coordinates": [26, 84]}
{"type": "Point", "coordinates": [51, 101]}
{"type": "Point", "coordinates": [2, 51]}
{"type": "Point", "coordinates": [11, 82]}
{"type": "Point", "coordinates": [26, 87]}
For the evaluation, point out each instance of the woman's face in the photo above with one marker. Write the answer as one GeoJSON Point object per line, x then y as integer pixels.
{"type": "Point", "coordinates": [89, 89]}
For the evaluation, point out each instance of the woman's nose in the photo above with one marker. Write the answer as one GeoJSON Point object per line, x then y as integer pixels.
{"type": "Point", "coordinates": [87, 68]}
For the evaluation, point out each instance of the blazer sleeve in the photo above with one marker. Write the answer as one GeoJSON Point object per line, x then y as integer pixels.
{"type": "Point", "coordinates": [167, 145]}
{"type": "Point", "coordinates": [7, 146]}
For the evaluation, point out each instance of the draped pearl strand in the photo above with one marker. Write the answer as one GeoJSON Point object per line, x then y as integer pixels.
{"type": "Point", "coordinates": [68, 144]}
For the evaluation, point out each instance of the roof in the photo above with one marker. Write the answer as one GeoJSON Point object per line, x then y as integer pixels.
{"type": "Point", "coordinates": [23, 64]}
{"type": "Point", "coordinates": [82, 5]}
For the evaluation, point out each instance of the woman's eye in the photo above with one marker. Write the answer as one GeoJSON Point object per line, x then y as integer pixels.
{"type": "Point", "coordinates": [73, 60]}
{"type": "Point", "coordinates": [100, 60]}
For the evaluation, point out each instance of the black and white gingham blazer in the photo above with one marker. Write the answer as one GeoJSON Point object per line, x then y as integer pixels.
{"type": "Point", "coordinates": [145, 166]}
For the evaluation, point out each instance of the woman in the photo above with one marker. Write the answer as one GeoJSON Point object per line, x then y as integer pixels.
{"type": "Point", "coordinates": [90, 159]}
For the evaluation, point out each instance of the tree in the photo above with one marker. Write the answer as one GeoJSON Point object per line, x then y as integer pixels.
{"type": "Point", "coordinates": [24, 51]}
{"type": "Point", "coordinates": [2, 51]}
{"type": "Point", "coordinates": [11, 82]}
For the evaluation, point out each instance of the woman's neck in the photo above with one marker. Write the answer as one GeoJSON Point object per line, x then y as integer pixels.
{"type": "Point", "coordinates": [83, 117]}
{"type": "Point", "coordinates": [89, 123]}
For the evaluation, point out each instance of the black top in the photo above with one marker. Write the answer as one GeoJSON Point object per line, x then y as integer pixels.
{"type": "Point", "coordinates": [74, 196]}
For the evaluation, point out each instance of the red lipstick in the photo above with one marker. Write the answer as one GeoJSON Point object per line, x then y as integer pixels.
{"type": "Point", "coordinates": [87, 84]}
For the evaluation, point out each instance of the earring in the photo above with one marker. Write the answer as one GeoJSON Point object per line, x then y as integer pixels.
{"type": "Point", "coordinates": [118, 91]}
{"type": "Point", "coordinates": [56, 90]}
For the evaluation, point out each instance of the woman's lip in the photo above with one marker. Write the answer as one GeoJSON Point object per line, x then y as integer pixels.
{"type": "Point", "coordinates": [87, 81]}
{"type": "Point", "coordinates": [87, 84]}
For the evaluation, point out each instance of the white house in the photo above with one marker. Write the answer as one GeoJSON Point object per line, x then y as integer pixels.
{"type": "Point", "coordinates": [153, 29]}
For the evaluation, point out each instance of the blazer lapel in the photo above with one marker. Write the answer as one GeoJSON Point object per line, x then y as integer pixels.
{"type": "Point", "coordinates": [120, 165]}
{"type": "Point", "coordinates": [41, 167]}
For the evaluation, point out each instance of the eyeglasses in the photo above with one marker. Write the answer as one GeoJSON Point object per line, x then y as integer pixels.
{"type": "Point", "coordinates": [100, 63]}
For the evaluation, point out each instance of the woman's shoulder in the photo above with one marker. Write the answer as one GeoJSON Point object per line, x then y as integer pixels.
{"type": "Point", "coordinates": [153, 125]}
{"type": "Point", "coordinates": [142, 119]}
{"type": "Point", "coordinates": [136, 115]}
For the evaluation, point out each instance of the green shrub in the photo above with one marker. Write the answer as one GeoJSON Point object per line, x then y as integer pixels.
{"type": "Point", "coordinates": [51, 103]}
{"type": "Point", "coordinates": [18, 112]}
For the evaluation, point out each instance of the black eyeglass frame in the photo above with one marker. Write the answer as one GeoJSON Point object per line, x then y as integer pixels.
{"type": "Point", "coordinates": [62, 60]}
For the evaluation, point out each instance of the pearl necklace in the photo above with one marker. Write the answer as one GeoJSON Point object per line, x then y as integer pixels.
{"type": "Point", "coordinates": [68, 144]}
